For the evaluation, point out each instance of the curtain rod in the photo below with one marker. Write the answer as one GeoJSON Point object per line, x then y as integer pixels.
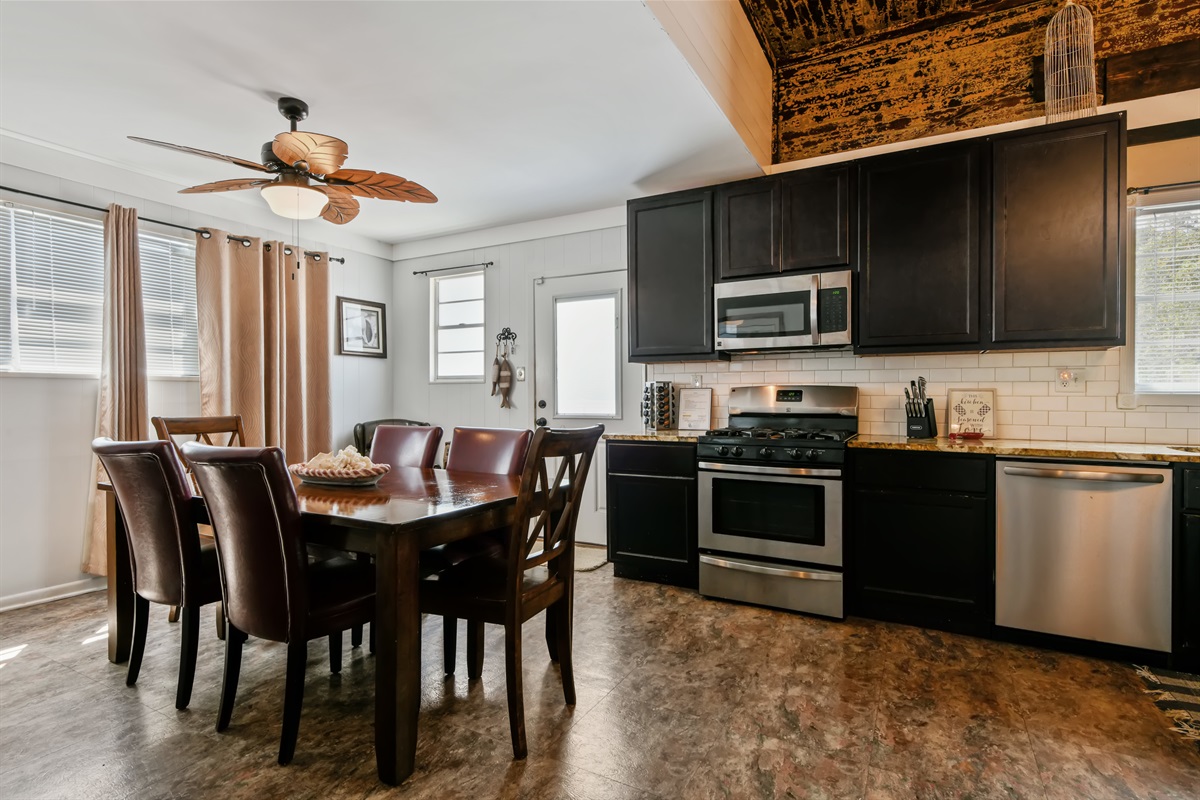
{"type": "Point", "coordinates": [484, 264]}
{"type": "Point", "coordinates": [1162, 187]}
{"type": "Point", "coordinates": [202, 231]}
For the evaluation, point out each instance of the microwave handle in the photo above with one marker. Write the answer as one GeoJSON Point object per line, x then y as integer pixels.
{"type": "Point", "coordinates": [813, 319]}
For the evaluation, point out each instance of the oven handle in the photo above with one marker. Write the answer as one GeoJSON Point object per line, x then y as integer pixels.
{"type": "Point", "coordinates": [762, 569]}
{"type": "Point", "coordinates": [753, 470]}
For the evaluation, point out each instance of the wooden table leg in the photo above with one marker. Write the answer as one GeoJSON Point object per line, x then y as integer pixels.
{"type": "Point", "coordinates": [120, 583]}
{"type": "Point", "coordinates": [397, 656]}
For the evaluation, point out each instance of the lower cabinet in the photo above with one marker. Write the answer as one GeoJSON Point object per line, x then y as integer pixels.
{"type": "Point", "coordinates": [921, 549]}
{"type": "Point", "coordinates": [1186, 619]}
{"type": "Point", "coordinates": [652, 503]}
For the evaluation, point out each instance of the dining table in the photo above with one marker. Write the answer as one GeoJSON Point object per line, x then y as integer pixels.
{"type": "Point", "coordinates": [407, 511]}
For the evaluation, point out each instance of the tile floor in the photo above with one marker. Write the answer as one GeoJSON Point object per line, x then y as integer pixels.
{"type": "Point", "coordinates": [678, 697]}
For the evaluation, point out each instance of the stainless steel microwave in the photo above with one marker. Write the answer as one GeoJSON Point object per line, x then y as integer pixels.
{"type": "Point", "coordinates": [789, 311]}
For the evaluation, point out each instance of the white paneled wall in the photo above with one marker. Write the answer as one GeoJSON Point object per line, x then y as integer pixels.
{"type": "Point", "coordinates": [508, 303]}
{"type": "Point", "coordinates": [1027, 406]}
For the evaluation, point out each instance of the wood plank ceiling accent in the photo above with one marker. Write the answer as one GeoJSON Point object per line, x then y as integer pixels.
{"type": "Point", "coordinates": [851, 74]}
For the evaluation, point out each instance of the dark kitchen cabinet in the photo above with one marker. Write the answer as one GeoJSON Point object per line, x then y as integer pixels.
{"type": "Point", "coordinates": [919, 274]}
{"type": "Point", "coordinates": [921, 540]}
{"type": "Point", "coordinates": [797, 221]}
{"type": "Point", "coordinates": [1186, 619]}
{"type": "Point", "coordinates": [652, 504]}
{"type": "Point", "coordinates": [1057, 236]}
{"type": "Point", "coordinates": [671, 278]}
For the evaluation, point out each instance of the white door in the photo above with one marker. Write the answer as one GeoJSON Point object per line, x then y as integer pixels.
{"type": "Point", "coordinates": [582, 374]}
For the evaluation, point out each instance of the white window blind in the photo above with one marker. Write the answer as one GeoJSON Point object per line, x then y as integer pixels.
{"type": "Point", "coordinates": [1167, 287]}
{"type": "Point", "coordinates": [457, 353]}
{"type": "Point", "coordinates": [52, 291]}
{"type": "Point", "coordinates": [52, 295]}
{"type": "Point", "coordinates": [169, 297]}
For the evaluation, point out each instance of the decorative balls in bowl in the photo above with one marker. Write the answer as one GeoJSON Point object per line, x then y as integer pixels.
{"type": "Point", "coordinates": [343, 468]}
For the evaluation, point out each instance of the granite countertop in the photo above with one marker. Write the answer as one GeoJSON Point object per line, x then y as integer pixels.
{"type": "Point", "coordinates": [1112, 451]}
{"type": "Point", "coordinates": [655, 436]}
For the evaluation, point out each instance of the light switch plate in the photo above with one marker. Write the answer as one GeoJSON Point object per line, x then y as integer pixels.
{"type": "Point", "coordinates": [520, 373]}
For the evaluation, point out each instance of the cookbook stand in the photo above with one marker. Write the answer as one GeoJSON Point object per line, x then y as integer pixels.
{"type": "Point", "coordinates": [924, 426]}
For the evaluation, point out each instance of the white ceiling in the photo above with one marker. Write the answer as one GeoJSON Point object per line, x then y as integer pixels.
{"type": "Point", "coordinates": [508, 111]}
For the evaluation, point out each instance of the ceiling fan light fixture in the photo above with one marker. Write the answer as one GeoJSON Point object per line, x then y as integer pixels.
{"type": "Point", "coordinates": [295, 200]}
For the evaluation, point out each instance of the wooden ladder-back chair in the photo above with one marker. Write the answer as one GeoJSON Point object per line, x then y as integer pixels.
{"type": "Point", "coordinates": [201, 429]}
{"type": "Point", "coordinates": [536, 573]}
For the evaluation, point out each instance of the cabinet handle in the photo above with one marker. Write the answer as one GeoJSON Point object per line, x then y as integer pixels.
{"type": "Point", "coordinates": [1086, 475]}
{"type": "Point", "coordinates": [762, 569]}
{"type": "Point", "coordinates": [652, 475]}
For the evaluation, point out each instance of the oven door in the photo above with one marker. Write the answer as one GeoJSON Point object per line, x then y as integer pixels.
{"type": "Point", "coordinates": [768, 312]}
{"type": "Point", "coordinates": [787, 513]}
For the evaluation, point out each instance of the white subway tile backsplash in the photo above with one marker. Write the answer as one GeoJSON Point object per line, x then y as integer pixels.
{"type": "Point", "coordinates": [1047, 432]}
{"type": "Point", "coordinates": [829, 376]}
{"type": "Point", "coordinates": [1031, 389]}
{"type": "Point", "coordinates": [979, 374]}
{"type": "Point", "coordinates": [945, 375]}
{"type": "Point", "coordinates": [1068, 358]}
{"type": "Point", "coordinates": [1184, 421]}
{"type": "Point", "coordinates": [996, 360]}
{"type": "Point", "coordinates": [803, 376]}
{"type": "Point", "coordinates": [1102, 388]}
{"type": "Point", "coordinates": [1031, 417]}
{"type": "Point", "coordinates": [1014, 403]}
{"type": "Point", "coordinates": [1075, 419]}
{"type": "Point", "coordinates": [1078, 403]}
{"type": "Point", "coordinates": [1135, 435]}
{"type": "Point", "coordinates": [1054, 403]}
{"type": "Point", "coordinates": [1165, 436]}
{"type": "Point", "coordinates": [898, 362]}
{"type": "Point", "coordinates": [1104, 357]}
{"type": "Point", "coordinates": [1012, 374]}
{"type": "Point", "coordinates": [962, 361]}
{"type": "Point", "coordinates": [929, 362]}
{"type": "Point", "coordinates": [881, 375]}
{"type": "Point", "coordinates": [1012, 431]}
{"type": "Point", "coordinates": [1031, 359]}
{"type": "Point", "coordinates": [1043, 373]}
{"type": "Point", "coordinates": [1145, 419]}
{"type": "Point", "coordinates": [1106, 419]}
{"type": "Point", "coordinates": [1085, 434]}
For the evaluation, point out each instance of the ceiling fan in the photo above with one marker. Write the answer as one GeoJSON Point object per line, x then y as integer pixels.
{"type": "Point", "coordinates": [307, 176]}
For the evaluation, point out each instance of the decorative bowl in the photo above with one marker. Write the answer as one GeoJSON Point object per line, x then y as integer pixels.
{"type": "Point", "coordinates": [365, 476]}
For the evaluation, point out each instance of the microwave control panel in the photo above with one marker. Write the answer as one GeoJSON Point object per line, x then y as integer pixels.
{"type": "Point", "coordinates": [833, 310]}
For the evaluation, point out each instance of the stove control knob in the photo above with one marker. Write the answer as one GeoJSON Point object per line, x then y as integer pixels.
{"type": "Point", "coordinates": [722, 450]}
{"type": "Point", "coordinates": [737, 451]}
{"type": "Point", "coordinates": [795, 452]}
{"type": "Point", "coordinates": [812, 454]}
{"type": "Point", "coordinates": [766, 452]}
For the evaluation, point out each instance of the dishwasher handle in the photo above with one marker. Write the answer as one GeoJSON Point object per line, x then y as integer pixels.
{"type": "Point", "coordinates": [1086, 475]}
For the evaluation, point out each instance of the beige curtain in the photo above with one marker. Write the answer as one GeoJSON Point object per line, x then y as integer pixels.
{"type": "Point", "coordinates": [122, 412]}
{"type": "Point", "coordinates": [265, 341]}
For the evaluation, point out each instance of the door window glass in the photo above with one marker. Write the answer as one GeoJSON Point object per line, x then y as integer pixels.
{"type": "Point", "coordinates": [587, 345]}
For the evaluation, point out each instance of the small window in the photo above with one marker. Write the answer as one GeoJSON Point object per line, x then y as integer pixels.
{"type": "Point", "coordinates": [52, 295]}
{"type": "Point", "coordinates": [456, 339]}
{"type": "Point", "coordinates": [1166, 329]}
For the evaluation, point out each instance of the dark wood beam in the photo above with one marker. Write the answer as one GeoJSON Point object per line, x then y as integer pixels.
{"type": "Point", "coordinates": [1157, 70]}
{"type": "Point", "coordinates": [1164, 133]}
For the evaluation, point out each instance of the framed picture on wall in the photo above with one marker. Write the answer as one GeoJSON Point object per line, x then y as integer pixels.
{"type": "Point", "coordinates": [362, 328]}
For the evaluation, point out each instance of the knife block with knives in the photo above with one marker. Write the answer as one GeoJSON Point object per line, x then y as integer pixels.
{"type": "Point", "coordinates": [921, 423]}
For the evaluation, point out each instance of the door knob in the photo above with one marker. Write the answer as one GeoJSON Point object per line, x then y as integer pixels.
{"type": "Point", "coordinates": [541, 403]}
{"type": "Point", "coordinates": [541, 422]}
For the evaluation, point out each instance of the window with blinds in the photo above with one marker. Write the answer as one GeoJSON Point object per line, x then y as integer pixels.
{"type": "Point", "coordinates": [1167, 287]}
{"type": "Point", "coordinates": [52, 295]}
{"type": "Point", "coordinates": [456, 352]}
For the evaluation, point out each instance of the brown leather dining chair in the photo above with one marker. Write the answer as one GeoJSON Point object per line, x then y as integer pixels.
{"type": "Point", "coordinates": [169, 562]}
{"type": "Point", "coordinates": [406, 445]}
{"type": "Point", "coordinates": [226, 430]}
{"type": "Point", "coordinates": [498, 451]}
{"type": "Point", "coordinates": [536, 573]}
{"type": "Point", "coordinates": [269, 587]}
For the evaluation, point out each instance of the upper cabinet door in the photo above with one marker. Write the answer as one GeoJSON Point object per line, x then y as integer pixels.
{"type": "Point", "coordinates": [748, 229]}
{"type": "Point", "coordinates": [1057, 253]}
{"type": "Point", "coordinates": [920, 250]}
{"type": "Point", "coordinates": [671, 277]}
{"type": "Point", "coordinates": [818, 209]}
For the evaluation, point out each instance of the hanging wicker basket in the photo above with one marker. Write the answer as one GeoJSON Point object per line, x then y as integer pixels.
{"type": "Point", "coordinates": [1070, 64]}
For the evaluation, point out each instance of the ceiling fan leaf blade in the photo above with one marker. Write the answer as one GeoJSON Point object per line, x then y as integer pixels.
{"type": "Point", "coordinates": [381, 185]}
{"type": "Point", "coordinates": [342, 206]}
{"type": "Point", "coordinates": [233, 185]}
{"type": "Point", "coordinates": [241, 162]}
{"type": "Point", "coordinates": [323, 154]}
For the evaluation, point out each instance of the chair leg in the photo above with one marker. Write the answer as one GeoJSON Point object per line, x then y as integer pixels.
{"type": "Point", "coordinates": [561, 612]}
{"type": "Point", "coordinates": [221, 622]}
{"type": "Point", "coordinates": [449, 643]}
{"type": "Point", "coordinates": [474, 649]}
{"type": "Point", "coordinates": [189, 643]}
{"type": "Point", "coordinates": [173, 614]}
{"type": "Point", "coordinates": [141, 618]}
{"type": "Point", "coordinates": [335, 652]}
{"type": "Point", "coordinates": [516, 696]}
{"type": "Point", "coordinates": [293, 698]}
{"type": "Point", "coordinates": [233, 669]}
{"type": "Point", "coordinates": [356, 636]}
{"type": "Point", "coordinates": [552, 637]}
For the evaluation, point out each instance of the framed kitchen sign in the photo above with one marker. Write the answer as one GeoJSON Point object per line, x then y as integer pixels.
{"type": "Point", "coordinates": [971, 411]}
{"type": "Point", "coordinates": [695, 409]}
{"type": "Point", "coordinates": [362, 328]}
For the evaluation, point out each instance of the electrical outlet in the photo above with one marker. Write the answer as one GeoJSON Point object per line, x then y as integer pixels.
{"type": "Point", "coordinates": [697, 379]}
{"type": "Point", "coordinates": [1069, 380]}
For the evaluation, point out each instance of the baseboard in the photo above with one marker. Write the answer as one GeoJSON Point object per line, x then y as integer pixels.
{"type": "Point", "coordinates": [52, 593]}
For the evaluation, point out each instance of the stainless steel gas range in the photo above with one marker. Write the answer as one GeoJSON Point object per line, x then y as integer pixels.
{"type": "Point", "coordinates": [771, 497]}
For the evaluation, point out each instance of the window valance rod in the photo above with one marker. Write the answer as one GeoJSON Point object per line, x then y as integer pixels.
{"type": "Point", "coordinates": [245, 240]}
{"type": "Point", "coordinates": [484, 264]}
{"type": "Point", "coordinates": [1162, 187]}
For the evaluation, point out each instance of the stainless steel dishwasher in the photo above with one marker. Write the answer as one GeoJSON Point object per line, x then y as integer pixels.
{"type": "Point", "coordinates": [1085, 551]}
